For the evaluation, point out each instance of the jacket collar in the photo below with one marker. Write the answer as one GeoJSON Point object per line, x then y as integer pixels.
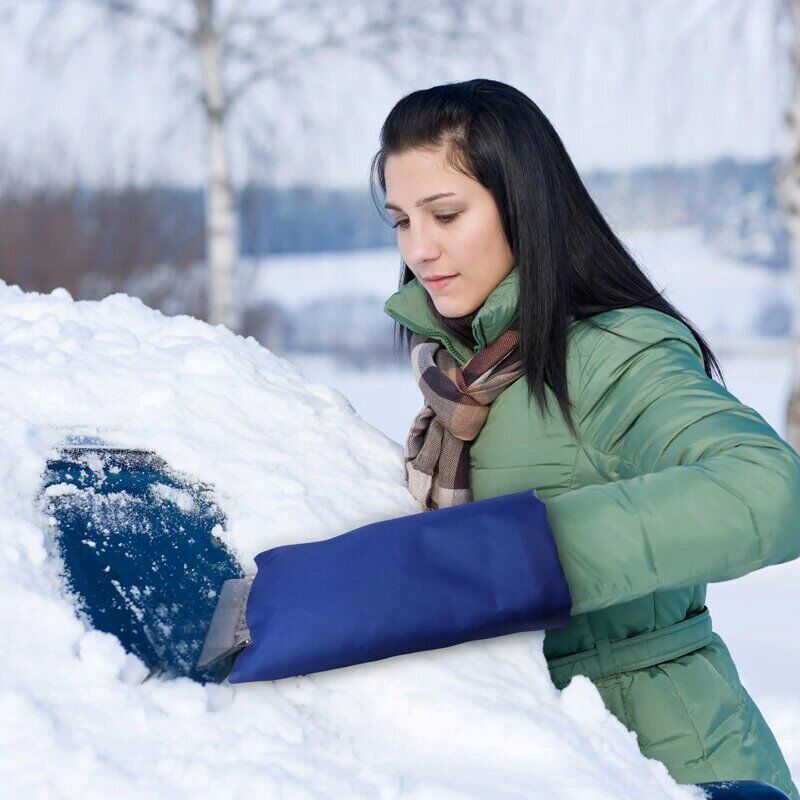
{"type": "Point", "coordinates": [409, 307]}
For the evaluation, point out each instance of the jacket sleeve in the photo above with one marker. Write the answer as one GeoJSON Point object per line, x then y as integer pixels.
{"type": "Point", "coordinates": [700, 488]}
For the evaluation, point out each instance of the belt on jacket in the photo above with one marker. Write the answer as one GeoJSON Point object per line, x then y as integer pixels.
{"type": "Point", "coordinates": [611, 657]}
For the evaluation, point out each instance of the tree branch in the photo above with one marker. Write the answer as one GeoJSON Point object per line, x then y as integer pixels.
{"type": "Point", "coordinates": [134, 10]}
{"type": "Point", "coordinates": [328, 40]}
{"type": "Point", "coordinates": [237, 18]}
{"type": "Point", "coordinates": [236, 11]}
{"type": "Point", "coordinates": [372, 39]}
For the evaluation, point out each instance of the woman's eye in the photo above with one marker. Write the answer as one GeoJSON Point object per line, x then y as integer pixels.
{"type": "Point", "coordinates": [443, 218]}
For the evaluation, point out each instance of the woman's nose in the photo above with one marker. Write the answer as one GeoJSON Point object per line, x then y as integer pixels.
{"type": "Point", "coordinates": [421, 247]}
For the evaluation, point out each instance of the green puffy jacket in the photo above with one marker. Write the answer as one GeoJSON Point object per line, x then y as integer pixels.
{"type": "Point", "coordinates": [674, 483]}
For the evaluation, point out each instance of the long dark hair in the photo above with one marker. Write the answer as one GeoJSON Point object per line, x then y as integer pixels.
{"type": "Point", "coordinates": [569, 261]}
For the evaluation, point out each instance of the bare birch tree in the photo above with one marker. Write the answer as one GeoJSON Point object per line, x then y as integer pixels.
{"type": "Point", "coordinates": [789, 191]}
{"type": "Point", "coordinates": [237, 45]}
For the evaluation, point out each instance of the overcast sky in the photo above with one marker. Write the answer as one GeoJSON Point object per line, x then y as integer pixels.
{"type": "Point", "coordinates": [625, 82]}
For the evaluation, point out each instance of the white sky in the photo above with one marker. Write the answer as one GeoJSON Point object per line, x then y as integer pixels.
{"type": "Point", "coordinates": [625, 83]}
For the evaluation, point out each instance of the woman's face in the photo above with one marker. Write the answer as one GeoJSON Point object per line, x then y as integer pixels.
{"type": "Point", "coordinates": [447, 225]}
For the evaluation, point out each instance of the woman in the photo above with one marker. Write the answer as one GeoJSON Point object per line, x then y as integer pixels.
{"type": "Point", "coordinates": [656, 479]}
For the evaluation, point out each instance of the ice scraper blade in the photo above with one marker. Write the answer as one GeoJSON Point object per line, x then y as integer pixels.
{"type": "Point", "coordinates": [228, 633]}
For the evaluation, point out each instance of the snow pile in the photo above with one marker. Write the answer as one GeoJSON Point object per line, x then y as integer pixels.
{"type": "Point", "coordinates": [290, 461]}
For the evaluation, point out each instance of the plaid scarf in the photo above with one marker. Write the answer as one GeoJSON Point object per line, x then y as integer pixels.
{"type": "Point", "coordinates": [457, 401]}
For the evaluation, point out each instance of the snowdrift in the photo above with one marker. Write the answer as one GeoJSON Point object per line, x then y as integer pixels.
{"type": "Point", "coordinates": [290, 461]}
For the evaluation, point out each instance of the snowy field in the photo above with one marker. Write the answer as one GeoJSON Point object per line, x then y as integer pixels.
{"type": "Point", "coordinates": [299, 451]}
{"type": "Point", "coordinates": [721, 295]}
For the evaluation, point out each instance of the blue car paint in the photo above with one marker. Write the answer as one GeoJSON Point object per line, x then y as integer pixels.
{"type": "Point", "coordinates": [741, 790]}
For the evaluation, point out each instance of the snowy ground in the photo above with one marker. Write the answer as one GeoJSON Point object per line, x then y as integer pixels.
{"type": "Point", "coordinates": [723, 296]}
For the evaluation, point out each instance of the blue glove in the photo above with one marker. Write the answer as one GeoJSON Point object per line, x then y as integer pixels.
{"type": "Point", "coordinates": [418, 582]}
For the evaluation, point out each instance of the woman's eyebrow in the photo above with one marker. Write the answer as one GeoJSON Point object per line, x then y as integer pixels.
{"type": "Point", "coordinates": [422, 201]}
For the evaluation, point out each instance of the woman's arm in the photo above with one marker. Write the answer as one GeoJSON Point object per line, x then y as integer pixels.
{"type": "Point", "coordinates": [708, 491]}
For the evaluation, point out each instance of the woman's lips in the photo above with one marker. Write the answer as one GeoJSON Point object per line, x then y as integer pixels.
{"type": "Point", "coordinates": [440, 283]}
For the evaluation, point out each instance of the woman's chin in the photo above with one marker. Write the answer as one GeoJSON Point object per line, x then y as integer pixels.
{"type": "Point", "coordinates": [451, 307]}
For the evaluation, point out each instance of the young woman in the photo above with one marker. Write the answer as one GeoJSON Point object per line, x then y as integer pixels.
{"type": "Point", "coordinates": [548, 360]}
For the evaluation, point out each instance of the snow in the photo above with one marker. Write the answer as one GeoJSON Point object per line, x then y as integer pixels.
{"type": "Point", "coordinates": [721, 295]}
{"type": "Point", "coordinates": [290, 461]}
{"type": "Point", "coordinates": [372, 273]}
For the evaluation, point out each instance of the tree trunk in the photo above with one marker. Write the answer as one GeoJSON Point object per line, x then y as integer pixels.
{"type": "Point", "coordinates": [789, 190]}
{"type": "Point", "coordinates": [221, 214]}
